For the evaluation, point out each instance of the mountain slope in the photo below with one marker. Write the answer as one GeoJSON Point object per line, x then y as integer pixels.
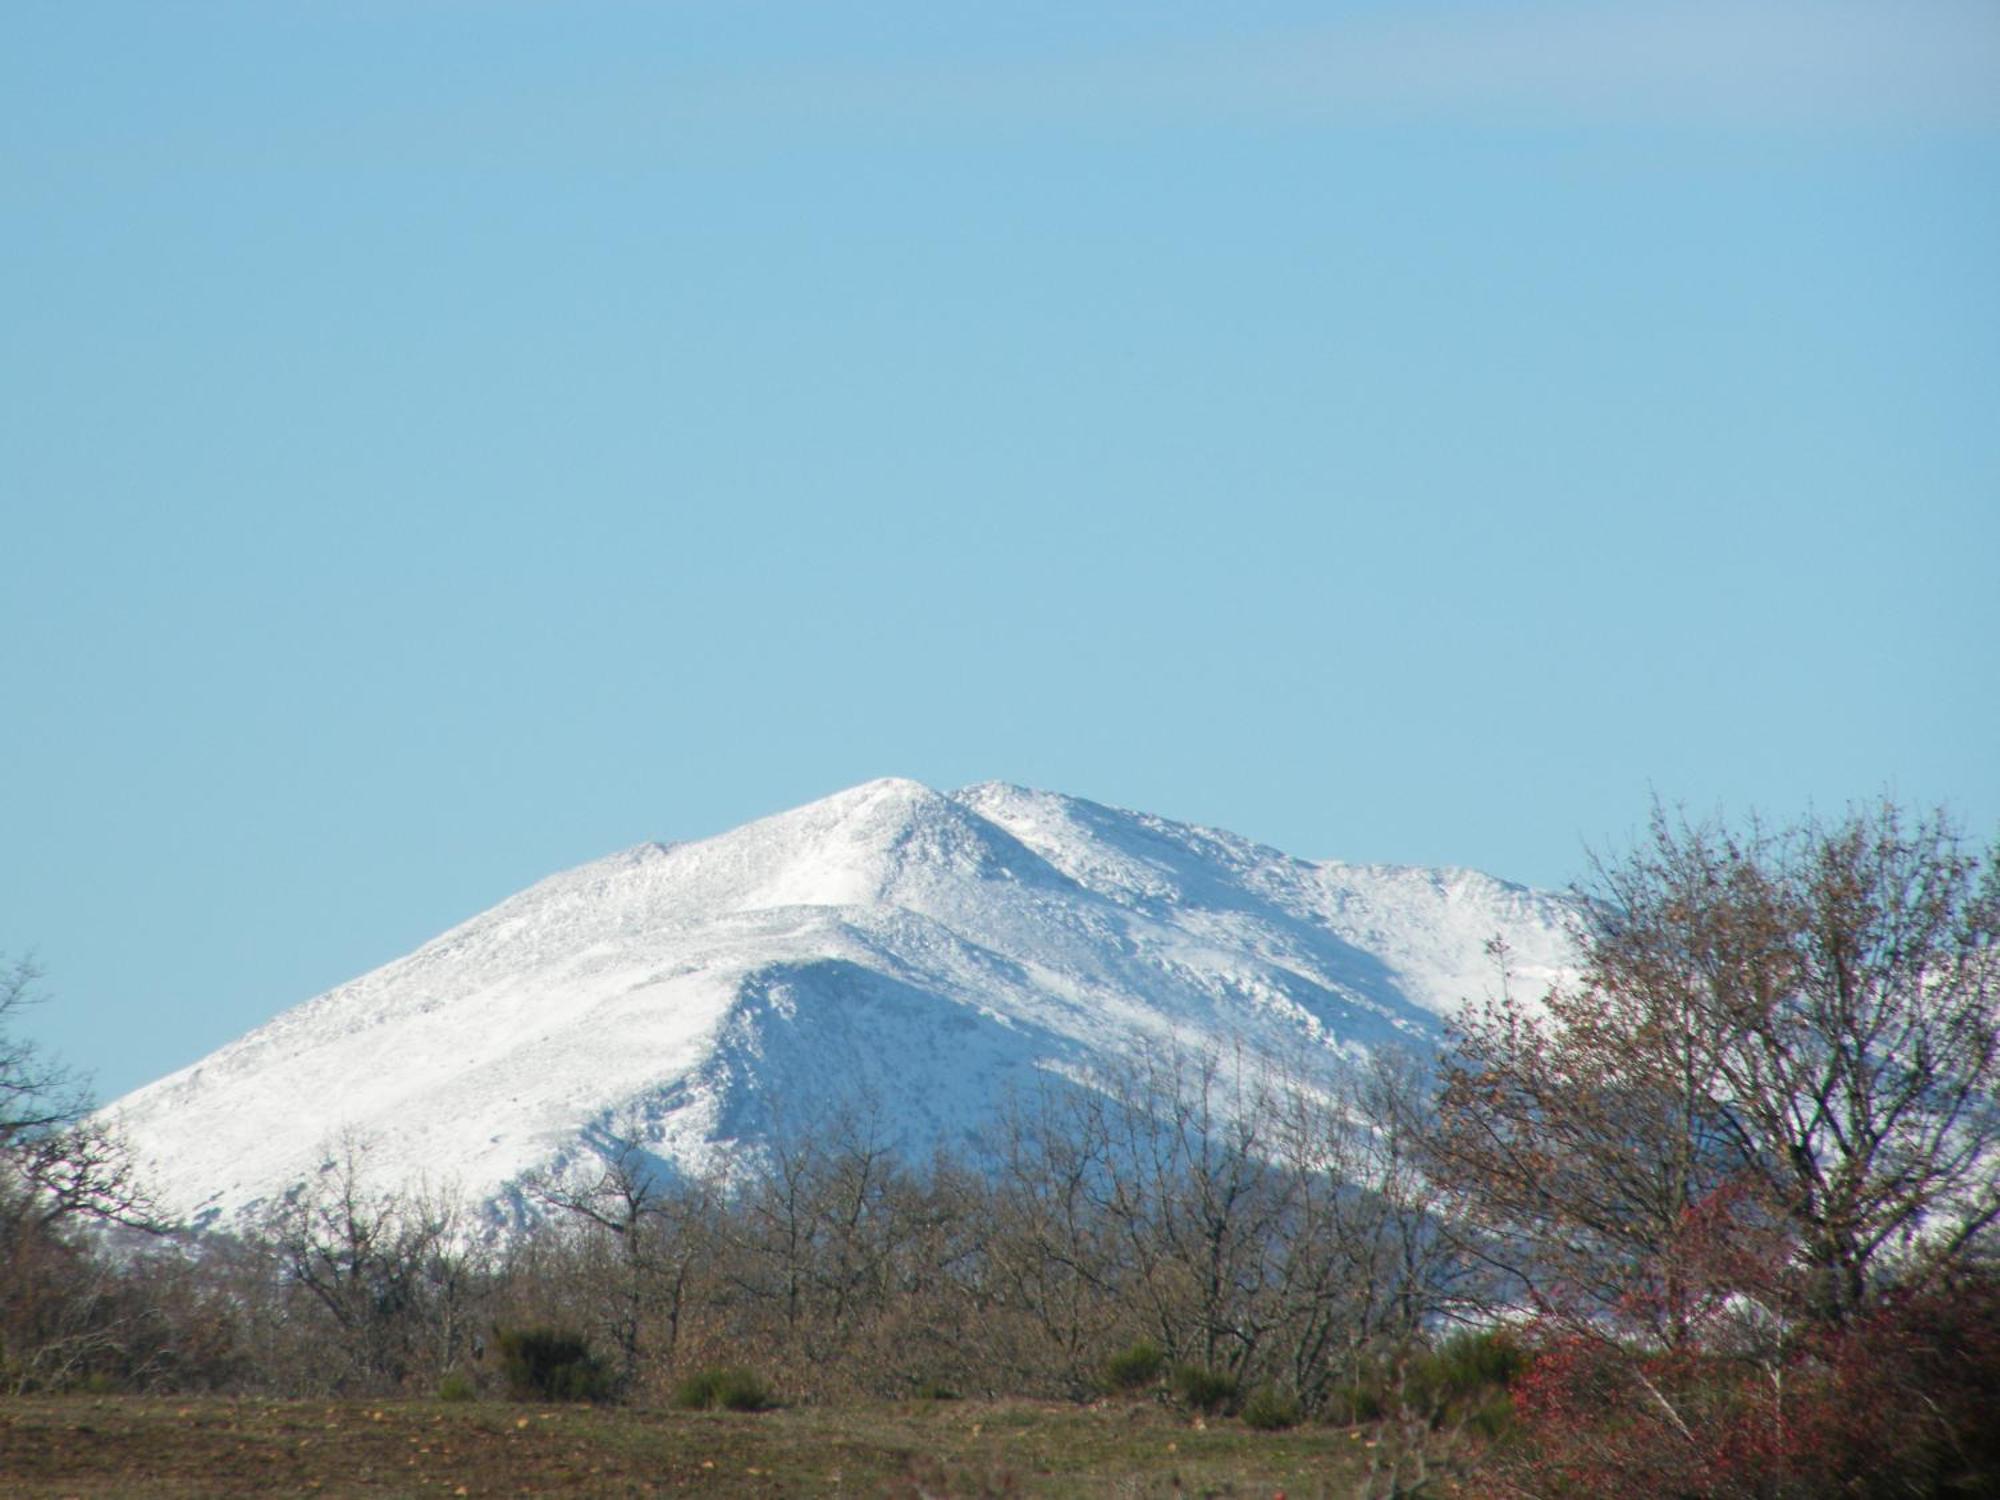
{"type": "Point", "coordinates": [936, 950]}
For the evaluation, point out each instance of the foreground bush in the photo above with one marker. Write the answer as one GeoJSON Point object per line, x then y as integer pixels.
{"type": "Point", "coordinates": [1463, 1382]}
{"type": "Point", "coordinates": [549, 1364]}
{"type": "Point", "coordinates": [1271, 1409]}
{"type": "Point", "coordinates": [1466, 1380]}
{"type": "Point", "coordinates": [726, 1389]}
{"type": "Point", "coordinates": [1896, 1403]}
{"type": "Point", "coordinates": [1467, 1363]}
{"type": "Point", "coordinates": [1205, 1390]}
{"type": "Point", "coordinates": [1134, 1368]}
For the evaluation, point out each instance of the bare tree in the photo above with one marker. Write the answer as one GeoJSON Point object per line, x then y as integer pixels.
{"type": "Point", "coordinates": [62, 1173]}
{"type": "Point", "coordinates": [392, 1274]}
{"type": "Point", "coordinates": [58, 1164]}
{"type": "Point", "coordinates": [1369, 1266]}
{"type": "Point", "coordinates": [659, 1231]}
{"type": "Point", "coordinates": [1199, 1199]}
{"type": "Point", "coordinates": [1797, 1027]}
{"type": "Point", "coordinates": [1051, 1256]}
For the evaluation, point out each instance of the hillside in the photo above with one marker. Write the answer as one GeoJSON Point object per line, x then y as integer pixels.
{"type": "Point", "coordinates": [935, 951]}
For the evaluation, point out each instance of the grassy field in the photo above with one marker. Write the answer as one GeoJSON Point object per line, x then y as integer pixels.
{"type": "Point", "coordinates": [125, 1446]}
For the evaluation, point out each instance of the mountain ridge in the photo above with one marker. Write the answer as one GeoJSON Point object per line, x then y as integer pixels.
{"type": "Point", "coordinates": [941, 949]}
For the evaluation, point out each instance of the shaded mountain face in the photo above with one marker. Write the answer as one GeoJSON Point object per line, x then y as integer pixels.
{"type": "Point", "coordinates": [936, 953]}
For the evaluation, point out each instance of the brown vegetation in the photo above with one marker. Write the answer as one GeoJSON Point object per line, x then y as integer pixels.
{"type": "Point", "coordinates": [1751, 1158]}
{"type": "Point", "coordinates": [207, 1448]}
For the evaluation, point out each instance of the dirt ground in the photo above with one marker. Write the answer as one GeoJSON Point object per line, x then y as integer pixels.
{"type": "Point", "coordinates": [139, 1447]}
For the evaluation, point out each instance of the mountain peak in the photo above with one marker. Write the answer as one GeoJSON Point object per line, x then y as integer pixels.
{"type": "Point", "coordinates": [902, 788]}
{"type": "Point", "coordinates": [939, 949]}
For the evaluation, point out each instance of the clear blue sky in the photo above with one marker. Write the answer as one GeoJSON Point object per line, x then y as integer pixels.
{"type": "Point", "coordinates": [442, 442]}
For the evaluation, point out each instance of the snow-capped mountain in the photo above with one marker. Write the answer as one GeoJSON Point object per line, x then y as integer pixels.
{"type": "Point", "coordinates": [935, 950]}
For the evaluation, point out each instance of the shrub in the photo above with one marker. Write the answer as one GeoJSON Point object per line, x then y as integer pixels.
{"type": "Point", "coordinates": [457, 1386]}
{"type": "Point", "coordinates": [1467, 1363]}
{"type": "Point", "coordinates": [1134, 1368]}
{"type": "Point", "coordinates": [1894, 1403]}
{"type": "Point", "coordinates": [1271, 1409]}
{"type": "Point", "coordinates": [1355, 1403]}
{"type": "Point", "coordinates": [1203, 1389]}
{"type": "Point", "coordinates": [1464, 1380]}
{"type": "Point", "coordinates": [1467, 1378]}
{"type": "Point", "coordinates": [549, 1364]}
{"type": "Point", "coordinates": [722, 1389]}
{"type": "Point", "coordinates": [1492, 1416]}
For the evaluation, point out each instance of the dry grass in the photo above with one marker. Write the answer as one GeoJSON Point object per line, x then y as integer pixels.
{"type": "Point", "coordinates": [131, 1447]}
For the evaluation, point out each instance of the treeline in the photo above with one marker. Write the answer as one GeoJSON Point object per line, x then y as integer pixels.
{"type": "Point", "coordinates": [1265, 1235]}
{"type": "Point", "coordinates": [1718, 1219]}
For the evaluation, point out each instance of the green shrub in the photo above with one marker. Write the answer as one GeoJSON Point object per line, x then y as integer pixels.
{"type": "Point", "coordinates": [1466, 1378]}
{"type": "Point", "coordinates": [1492, 1416]}
{"type": "Point", "coordinates": [1463, 1379]}
{"type": "Point", "coordinates": [549, 1364]}
{"type": "Point", "coordinates": [1271, 1409]}
{"type": "Point", "coordinates": [722, 1389]}
{"type": "Point", "coordinates": [1468, 1363]}
{"type": "Point", "coordinates": [457, 1386]}
{"type": "Point", "coordinates": [1134, 1368]}
{"type": "Point", "coordinates": [934, 1390]}
{"type": "Point", "coordinates": [1350, 1405]}
{"type": "Point", "coordinates": [1205, 1390]}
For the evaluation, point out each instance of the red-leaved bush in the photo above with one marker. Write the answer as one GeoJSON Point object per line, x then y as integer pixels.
{"type": "Point", "coordinates": [1898, 1402]}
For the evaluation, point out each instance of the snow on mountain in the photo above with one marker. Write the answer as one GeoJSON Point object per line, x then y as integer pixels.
{"type": "Point", "coordinates": [933, 951]}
